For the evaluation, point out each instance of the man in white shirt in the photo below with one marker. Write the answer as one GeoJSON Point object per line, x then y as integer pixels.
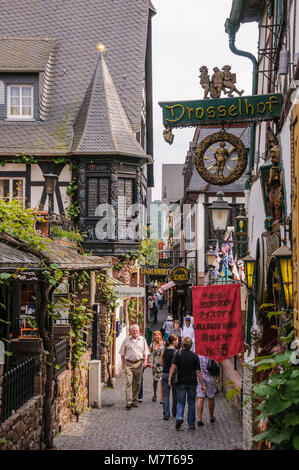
{"type": "Point", "coordinates": [134, 356]}
{"type": "Point", "coordinates": [188, 331]}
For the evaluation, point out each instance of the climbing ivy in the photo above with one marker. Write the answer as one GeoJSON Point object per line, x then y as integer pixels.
{"type": "Point", "coordinates": [277, 396]}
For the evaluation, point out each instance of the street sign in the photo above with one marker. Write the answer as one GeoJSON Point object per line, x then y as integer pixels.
{"type": "Point", "coordinates": [221, 110]}
{"type": "Point", "coordinates": [180, 275]}
{"type": "Point", "coordinates": [154, 271]}
{"type": "Point", "coordinates": [128, 291]}
{"type": "Point", "coordinates": [165, 263]}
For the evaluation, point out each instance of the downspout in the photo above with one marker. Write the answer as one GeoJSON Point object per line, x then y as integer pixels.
{"type": "Point", "coordinates": [231, 29]}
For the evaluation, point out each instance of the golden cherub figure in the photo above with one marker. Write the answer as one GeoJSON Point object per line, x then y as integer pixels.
{"type": "Point", "coordinates": [221, 155]}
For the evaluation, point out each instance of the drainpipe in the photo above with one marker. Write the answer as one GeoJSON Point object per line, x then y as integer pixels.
{"type": "Point", "coordinates": [231, 27]}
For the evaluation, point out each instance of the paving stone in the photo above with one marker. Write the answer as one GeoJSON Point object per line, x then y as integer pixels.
{"type": "Point", "coordinates": [114, 428]}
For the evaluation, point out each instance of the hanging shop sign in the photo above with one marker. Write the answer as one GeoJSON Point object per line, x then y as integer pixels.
{"type": "Point", "coordinates": [180, 275]}
{"type": "Point", "coordinates": [223, 163]}
{"type": "Point", "coordinates": [165, 263]}
{"type": "Point", "coordinates": [154, 271]}
{"type": "Point", "coordinates": [217, 321]}
{"type": "Point", "coordinates": [128, 291]}
{"type": "Point", "coordinates": [221, 110]}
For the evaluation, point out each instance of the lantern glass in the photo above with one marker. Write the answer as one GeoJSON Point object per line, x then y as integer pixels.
{"type": "Point", "coordinates": [220, 212]}
{"type": "Point", "coordinates": [249, 266]}
{"type": "Point", "coordinates": [210, 257]}
{"type": "Point", "coordinates": [284, 265]}
{"type": "Point", "coordinates": [50, 182]}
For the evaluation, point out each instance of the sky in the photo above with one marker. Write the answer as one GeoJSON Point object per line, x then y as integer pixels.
{"type": "Point", "coordinates": [186, 35]}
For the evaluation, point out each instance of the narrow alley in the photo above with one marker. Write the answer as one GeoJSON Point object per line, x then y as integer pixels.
{"type": "Point", "coordinates": [114, 428]}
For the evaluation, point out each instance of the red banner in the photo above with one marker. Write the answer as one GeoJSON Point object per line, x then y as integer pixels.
{"type": "Point", "coordinates": [217, 321]}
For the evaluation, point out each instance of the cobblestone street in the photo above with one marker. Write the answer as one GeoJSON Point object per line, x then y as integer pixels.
{"type": "Point", "coordinates": [114, 428]}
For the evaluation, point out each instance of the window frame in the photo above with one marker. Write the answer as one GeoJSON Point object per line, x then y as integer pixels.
{"type": "Point", "coordinates": [11, 179]}
{"type": "Point", "coordinates": [20, 117]}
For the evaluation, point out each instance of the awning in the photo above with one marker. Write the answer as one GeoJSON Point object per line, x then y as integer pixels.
{"type": "Point", "coordinates": [166, 287]}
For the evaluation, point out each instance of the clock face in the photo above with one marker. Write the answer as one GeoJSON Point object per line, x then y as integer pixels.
{"type": "Point", "coordinates": [221, 158]}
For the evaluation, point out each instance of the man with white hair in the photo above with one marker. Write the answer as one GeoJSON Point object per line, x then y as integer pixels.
{"type": "Point", "coordinates": [134, 356]}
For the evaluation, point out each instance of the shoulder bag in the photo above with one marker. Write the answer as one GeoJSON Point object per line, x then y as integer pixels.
{"type": "Point", "coordinates": [212, 368]}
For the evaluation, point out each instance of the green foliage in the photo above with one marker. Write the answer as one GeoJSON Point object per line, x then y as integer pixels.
{"type": "Point", "coordinates": [23, 158]}
{"type": "Point", "coordinates": [278, 398]}
{"type": "Point", "coordinates": [57, 232]}
{"type": "Point", "coordinates": [19, 223]}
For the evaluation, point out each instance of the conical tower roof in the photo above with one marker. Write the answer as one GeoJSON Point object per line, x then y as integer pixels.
{"type": "Point", "coordinates": [102, 126]}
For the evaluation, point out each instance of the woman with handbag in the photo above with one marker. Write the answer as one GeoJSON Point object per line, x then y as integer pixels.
{"type": "Point", "coordinates": [167, 356]}
{"type": "Point", "coordinates": [156, 348]}
{"type": "Point", "coordinates": [209, 370]}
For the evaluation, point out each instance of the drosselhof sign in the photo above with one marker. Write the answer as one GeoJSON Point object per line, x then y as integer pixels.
{"type": "Point", "coordinates": [238, 109]}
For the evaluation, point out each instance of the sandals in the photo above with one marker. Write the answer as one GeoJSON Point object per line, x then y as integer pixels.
{"type": "Point", "coordinates": [154, 398]}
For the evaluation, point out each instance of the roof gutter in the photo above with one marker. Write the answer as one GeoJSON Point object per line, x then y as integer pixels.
{"type": "Point", "coordinates": [232, 25]}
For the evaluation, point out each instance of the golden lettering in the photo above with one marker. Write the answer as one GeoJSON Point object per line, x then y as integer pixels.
{"type": "Point", "coordinates": [240, 107]}
{"type": "Point", "coordinates": [189, 112]}
{"type": "Point", "coordinates": [197, 113]}
{"type": "Point", "coordinates": [263, 107]}
{"type": "Point", "coordinates": [232, 110]}
{"type": "Point", "coordinates": [211, 112]}
{"type": "Point", "coordinates": [271, 101]}
{"type": "Point", "coordinates": [247, 107]}
{"type": "Point", "coordinates": [222, 111]}
{"type": "Point", "coordinates": [172, 112]}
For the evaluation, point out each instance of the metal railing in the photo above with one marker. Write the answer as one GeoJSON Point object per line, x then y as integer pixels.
{"type": "Point", "coordinates": [61, 355]}
{"type": "Point", "coordinates": [17, 388]}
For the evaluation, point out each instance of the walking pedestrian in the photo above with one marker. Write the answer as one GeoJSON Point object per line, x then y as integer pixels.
{"type": "Point", "coordinates": [167, 357]}
{"type": "Point", "coordinates": [167, 326]}
{"type": "Point", "coordinates": [155, 312]}
{"type": "Point", "coordinates": [210, 391]}
{"type": "Point", "coordinates": [134, 353]}
{"type": "Point", "coordinates": [188, 332]}
{"type": "Point", "coordinates": [188, 368]}
{"type": "Point", "coordinates": [150, 305]}
{"type": "Point", "coordinates": [156, 348]}
{"type": "Point", "coordinates": [160, 300]}
{"type": "Point", "coordinates": [177, 331]}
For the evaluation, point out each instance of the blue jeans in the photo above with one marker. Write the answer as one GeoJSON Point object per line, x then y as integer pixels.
{"type": "Point", "coordinates": [182, 392]}
{"type": "Point", "coordinates": [140, 395]}
{"type": "Point", "coordinates": [166, 396]}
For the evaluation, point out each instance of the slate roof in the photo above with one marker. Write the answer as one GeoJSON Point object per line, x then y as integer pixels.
{"type": "Point", "coordinates": [15, 253]}
{"type": "Point", "coordinates": [110, 129]}
{"type": "Point", "coordinates": [68, 66]}
{"type": "Point", "coordinates": [11, 257]}
{"type": "Point", "coordinates": [197, 184]}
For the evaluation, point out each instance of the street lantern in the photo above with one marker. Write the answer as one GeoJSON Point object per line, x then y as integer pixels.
{"type": "Point", "coordinates": [284, 265]}
{"type": "Point", "coordinates": [50, 182]}
{"type": "Point", "coordinates": [210, 257]}
{"type": "Point", "coordinates": [219, 211]}
{"type": "Point", "coordinates": [249, 268]}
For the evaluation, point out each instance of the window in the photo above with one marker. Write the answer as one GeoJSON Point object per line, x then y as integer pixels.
{"type": "Point", "coordinates": [20, 101]}
{"type": "Point", "coordinates": [12, 188]}
{"type": "Point", "coordinates": [98, 193]}
{"type": "Point", "coordinates": [125, 197]}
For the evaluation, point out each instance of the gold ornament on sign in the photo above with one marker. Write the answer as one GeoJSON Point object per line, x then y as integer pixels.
{"type": "Point", "coordinates": [168, 135]}
{"type": "Point", "coordinates": [225, 163]}
{"type": "Point", "coordinates": [221, 80]}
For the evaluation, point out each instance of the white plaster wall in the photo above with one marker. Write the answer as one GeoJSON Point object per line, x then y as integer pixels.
{"type": "Point", "coordinates": [256, 216]}
{"type": "Point", "coordinates": [119, 342]}
{"type": "Point", "coordinates": [13, 167]}
{"type": "Point", "coordinates": [200, 233]}
{"type": "Point", "coordinates": [285, 143]}
{"type": "Point", "coordinates": [36, 173]}
{"type": "Point", "coordinates": [66, 174]}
